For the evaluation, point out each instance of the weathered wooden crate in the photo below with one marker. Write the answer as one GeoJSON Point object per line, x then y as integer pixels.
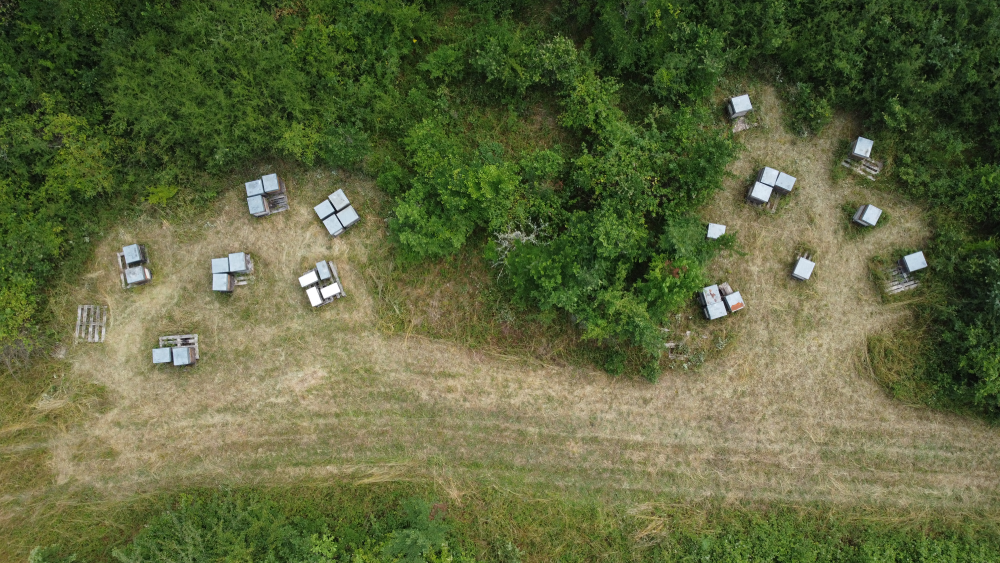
{"type": "Point", "coordinates": [866, 167]}
{"type": "Point", "coordinates": [189, 340]}
{"type": "Point", "coordinates": [91, 321]}
{"type": "Point", "coordinates": [899, 280]}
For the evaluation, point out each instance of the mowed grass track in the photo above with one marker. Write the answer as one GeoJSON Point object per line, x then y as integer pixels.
{"type": "Point", "coordinates": [284, 392]}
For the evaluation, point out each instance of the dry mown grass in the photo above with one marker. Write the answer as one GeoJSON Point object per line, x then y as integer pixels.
{"type": "Point", "coordinates": [284, 392]}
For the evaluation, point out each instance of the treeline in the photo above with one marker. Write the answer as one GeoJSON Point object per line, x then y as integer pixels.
{"type": "Point", "coordinates": [109, 105]}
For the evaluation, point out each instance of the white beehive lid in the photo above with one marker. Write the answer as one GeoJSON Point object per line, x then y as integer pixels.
{"type": "Point", "coordinates": [314, 299]}
{"type": "Point", "coordinates": [256, 205]}
{"type": "Point", "coordinates": [784, 182]}
{"type": "Point", "coordinates": [162, 356]}
{"type": "Point", "coordinates": [715, 311]}
{"type": "Point", "coordinates": [715, 230]}
{"type": "Point", "coordinates": [238, 262]}
{"type": "Point", "coordinates": [333, 225]}
{"type": "Point", "coordinates": [711, 294]}
{"type": "Point", "coordinates": [870, 215]}
{"type": "Point", "coordinates": [915, 261]}
{"type": "Point", "coordinates": [734, 302]}
{"type": "Point", "coordinates": [183, 355]}
{"type": "Point", "coordinates": [741, 104]}
{"type": "Point", "coordinates": [308, 278]}
{"type": "Point", "coordinates": [862, 148]}
{"type": "Point", "coordinates": [760, 193]}
{"type": "Point", "coordinates": [330, 290]}
{"type": "Point", "coordinates": [220, 265]}
{"type": "Point", "coordinates": [803, 269]}
{"type": "Point", "coordinates": [271, 184]}
{"type": "Point", "coordinates": [339, 200]}
{"type": "Point", "coordinates": [254, 187]}
{"type": "Point", "coordinates": [768, 176]}
{"type": "Point", "coordinates": [348, 216]}
{"type": "Point", "coordinates": [324, 209]}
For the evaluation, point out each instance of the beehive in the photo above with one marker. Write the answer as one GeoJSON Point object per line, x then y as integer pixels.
{"type": "Point", "coordinates": [223, 282]}
{"type": "Point", "coordinates": [768, 176]}
{"type": "Point", "coordinates": [862, 148]}
{"type": "Point", "coordinates": [739, 106]}
{"type": "Point", "coordinates": [339, 200]}
{"type": "Point", "coordinates": [759, 193]}
{"type": "Point", "coordinates": [220, 265]}
{"type": "Point", "coordinates": [238, 263]}
{"type": "Point", "coordinates": [914, 262]}
{"type": "Point", "coordinates": [867, 215]}
{"type": "Point", "coordinates": [784, 183]}
{"type": "Point", "coordinates": [258, 206]}
{"type": "Point", "coordinates": [162, 356]}
{"type": "Point", "coordinates": [803, 269]}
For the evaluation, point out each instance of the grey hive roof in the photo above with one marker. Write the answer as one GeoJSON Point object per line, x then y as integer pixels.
{"type": "Point", "coordinates": [323, 270]}
{"type": "Point", "coordinates": [133, 254]}
{"type": "Point", "coordinates": [768, 176]}
{"type": "Point", "coordinates": [271, 184]}
{"type": "Point", "coordinates": [803, 269]}
{"type": "Point", "coordinates": [220, 265]}
{"type": "Point", "coordinates": [869, 215]}
{"type": "Point", "coordinates": [711, 294]}
{"type": "Point", "coordinates": [256, 204]}
{"type": "Point", "coordinates": [162, 356]}
{"type": "Point", "coordinates": [237, 262]}
{"type": "Point", "coordinates": [135, 274]}
{"type": "Point", "coordinates": [915, 261]}
{"type": "Point", "coordinates": [348, 216]}
{"type": "Point", "coordinates": [760, 193]}
{"type": "Point", "coordinates": [333, 225]}
{"type": "Point", "coordinates": [741, 103]}
{"type": "Point", "coordinates": [324, 209]}
{"type": "Point", "coordinates": [183, 355]}
{"type": "Point", "coordinates": [863, 147]}
{"type": "Point", "coordinates": [339, 200]}
{"type": "Point", "coordinates": [254, 187]}
{"type": "Point", "coordinates": [715, 311]}
{"type": "Point", "coordinates": [221, 282]}
{"type": "Point", "coordinates": [784, 182]}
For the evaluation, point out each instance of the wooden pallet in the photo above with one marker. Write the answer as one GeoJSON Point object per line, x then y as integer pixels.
{"type": "Point", "coordinates": [741, 124]}
{"type": "Point", "coordinates": [90, 323]}
{"type": "Point", "coordinates": [899, 281]}
{"type": "Point", "coordinates": [277, 202]}
{"type": "Point", "coordinates": [177, 340]}
{"type": "Point", "coordinates": [866, 167]}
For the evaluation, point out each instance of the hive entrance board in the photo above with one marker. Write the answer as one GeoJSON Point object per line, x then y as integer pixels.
{"type": "Point", "coordinates": [899, 280]}
{"type": "Point", "coordinates": [90, 323]}
{"type": "Point", "coordinates": [866, 167]}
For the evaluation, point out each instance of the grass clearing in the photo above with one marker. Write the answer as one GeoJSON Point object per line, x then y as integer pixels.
{"type": "Point", "coordinates": [287, 394]}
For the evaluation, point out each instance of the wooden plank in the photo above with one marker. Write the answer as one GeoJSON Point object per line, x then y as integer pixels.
{"type": "Point", "coordinates": [79, 315]}
{"type": "Point", "coordinates": [104, 322]}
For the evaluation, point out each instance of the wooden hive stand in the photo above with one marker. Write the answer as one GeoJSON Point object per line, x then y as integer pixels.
{"type": "Point", "coordinates": [90, 323]}
{"type": "Point", "coordinates": [190, 340]}
{"type": "Point", "coordinates": [866, 167]}
{"type": "Point", "coordinates": [899, 280]}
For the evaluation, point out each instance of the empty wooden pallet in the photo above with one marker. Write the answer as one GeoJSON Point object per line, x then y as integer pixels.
{"type": "Point", "coordinates": [90, 323]}
{"type": "Point", "coordinates": [866, 167]}
{"type": "Point", "coordinates": [277, 202]}
{"type": "Point", "coordinates": [899, 281]}
{"type": "Point", "coordinates": [181, 340]}
{"type": "Point", "coordinates": [741, 124]}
